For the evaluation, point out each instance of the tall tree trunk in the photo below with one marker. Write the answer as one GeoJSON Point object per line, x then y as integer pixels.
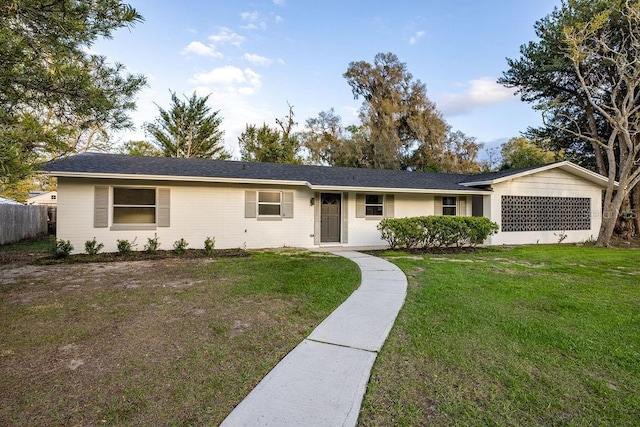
{"type": "Point", "coordinates": [635, 208]}
{"type": "Point", "coordinates": [609, 219]}
{"type": "Point", "coordinates": [609, 211]}
{"type": "Point", "coordinates": [625, 226]}
{"type": "Point", "coordinates": [593, 130]}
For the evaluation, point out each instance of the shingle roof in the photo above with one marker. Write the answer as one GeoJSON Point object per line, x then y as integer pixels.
{"type": "Point", "coordinates": [497, 175]}
{"type": "Point", "coordinates": [98, 163]}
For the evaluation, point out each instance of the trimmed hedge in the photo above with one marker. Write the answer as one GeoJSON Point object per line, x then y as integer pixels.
{"type": "Point", "coordinates": [436, 231]}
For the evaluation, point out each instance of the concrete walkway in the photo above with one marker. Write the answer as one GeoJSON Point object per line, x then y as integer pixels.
{"type": "Point", "coordinates": [322, 381]}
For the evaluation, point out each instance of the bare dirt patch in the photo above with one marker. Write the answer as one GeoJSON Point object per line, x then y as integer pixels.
{"type": "Point", "coordinates": [149, 342]}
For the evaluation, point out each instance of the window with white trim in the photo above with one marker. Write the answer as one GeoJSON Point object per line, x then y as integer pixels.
{"type": "Point", "coordinates": [134, 205]}
{"type": "Point", "coordinates": [374, 205]}
{"type": "Point", "coordinates": [269, 203]}
{"type": "Point", "coordinates": [449, 206]}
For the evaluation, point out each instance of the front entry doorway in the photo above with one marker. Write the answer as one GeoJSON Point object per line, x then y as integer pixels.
{"type": "Point", "coordinates": [330, 217]}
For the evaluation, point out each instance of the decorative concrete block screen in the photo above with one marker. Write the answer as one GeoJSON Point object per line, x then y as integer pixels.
{"type": "Point", "coordinates": [534, 213]}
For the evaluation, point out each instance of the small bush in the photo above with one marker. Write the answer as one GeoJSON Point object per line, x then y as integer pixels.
{"type": "Point", "coordinates": [180, 246]}
{"type": "Point", "coordinates": [435, 231]}
{"type": "Point", "coordinates": [481, 228]}
{"type": "Point", "coordinates": [209, 245]}
{"type": "Point", "coordinates": [404, 233]}
{"type": "Point", "coordinates": [125, 247]}
{"type": "Point", "coordinates": [92, 247]}
{"type": "Point", "coordinates": [562, 236]}
{"type": "Point", "coordinates": [62, 249]}
{"type": "Point", "coordinates": [152, 244]}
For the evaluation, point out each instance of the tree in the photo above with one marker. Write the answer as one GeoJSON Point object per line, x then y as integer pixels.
{"type": "Point", "coordinates": [323, 137]}
{"type": "Point", "coordinates": [520, 153]}
{"type": "Point", "coordinates": [605, 54]}
{"type": "Point", "coordinates": [57, 98]}
{"type": "Point", "coordinates": [140, 148]}
{"type": "Point", "coordinates": [544, 76]}
{"type": "Point", "coordinates": [19, 190]}
{"type": "Point", "coordinates": [275, 145]}
{"type": "Point", "coordinates": [591, 87]}
{"type": "Point", "coordinates": [458, 153]}
{"type": "Point", "coordinates": [396, 115]}
{"type": "Point", "coordinates": [188, 129]}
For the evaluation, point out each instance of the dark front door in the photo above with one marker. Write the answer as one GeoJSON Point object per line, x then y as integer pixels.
{"type": "Point", "coordinates": [330, 217]}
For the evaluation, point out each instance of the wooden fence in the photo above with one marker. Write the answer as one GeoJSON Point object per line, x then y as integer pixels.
{"type": "Point", "coordinates": [19, 222]}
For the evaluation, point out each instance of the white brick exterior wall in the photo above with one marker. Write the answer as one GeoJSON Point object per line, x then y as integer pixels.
{"type": "Point", "coordinates": [549, 183]}
{"type": "Point", "coordinates": [201, 210]}
{"type": "Point", "coordinates": [198, 211]}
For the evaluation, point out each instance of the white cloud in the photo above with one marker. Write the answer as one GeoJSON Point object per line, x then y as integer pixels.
{"type": "Point", "coordinates": [279, 2]}
{"type": "Point", "coordinates": [233, 91]}
{"type": "Point", "coordinates": [257, 59]}
{"type": "Point", "coordinates": [202, 49]}
{"type": "Point", "coordinates": [253, 21]}
{"type": "Point", "coordinates": [278, 18]}
{"type": "Point", "coordinates": [478, 92]}
{"type": "Point", "coordinates": [416, 36]}
{"type": "Point", "coordinates": [229, 79]}
{"type": "Point", "coordinates": [253, 78]}
{"type": "Point", "coordinates": [226, 36]}
{"type": "Point", "coordinates": [250, 16]}
{"type": "Point", "coordinates": [251, 26]}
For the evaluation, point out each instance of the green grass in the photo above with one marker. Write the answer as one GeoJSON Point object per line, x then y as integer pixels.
{"type": "Point", "coordinates": [163, 342]}
{"type": "Point", "coordinates": [42, 243]}
{"type": "Point", "coordinates": [538, 335]}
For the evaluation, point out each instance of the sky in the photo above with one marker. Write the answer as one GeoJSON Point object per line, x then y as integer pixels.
{"type": "Point", "coordinates": [255, 57]}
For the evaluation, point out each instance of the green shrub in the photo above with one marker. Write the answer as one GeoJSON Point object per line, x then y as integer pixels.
{"type": "Point", "coordinates": [209, 245]}
{"type": "Point", "coordinates": [404, 233]}
{"type": "Point", "coordinates": [435, 231]}
{"type": "Point", "coordinates": [62, 249]}
{"type": "Point", "coordinates": [92, 247]}
{"type": "Point", "coordinates": [152, 244]}
{"type": "Point", "coordinates": [125, 247]}
{"type": "Point", "coordinates": [180, 246]}
{"type": "Point", "coordinates": [481, 228]}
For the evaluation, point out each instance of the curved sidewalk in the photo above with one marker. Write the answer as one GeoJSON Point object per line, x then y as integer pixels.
{"type": "Point", "coordinates": [322, 381]}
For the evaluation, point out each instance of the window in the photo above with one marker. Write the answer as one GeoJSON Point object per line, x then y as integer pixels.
{"type": "Point", "coordinates": [134, 205]}
{"type": "Point", "coordinates": [269, 203]}
{"type": "Point", "coordinates": [449, 206]}
{"type": "Point", "coordinates": [374, 205]}
{"type": "Point", "coordinates": [53, 197]}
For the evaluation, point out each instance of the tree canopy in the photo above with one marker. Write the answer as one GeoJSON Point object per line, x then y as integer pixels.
{"type": "Point", "coordinates": [520, 152]}
{"type": "Point", "coordinates": [267, 144]}
{"type": "Point", "coordinates": [56, 97]}
{"type": "Point", "coordinates": [584, 75]}
{"type": "Point", "coordinates": [400, 128]}
{"type": "Point", "coordinates": [396, 115]}
{"type": "Point", "coordinates": [139, 148]}
{"type": "Point", "coordinates": [188, 129]}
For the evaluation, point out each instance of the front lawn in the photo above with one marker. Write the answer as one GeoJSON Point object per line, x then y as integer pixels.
{"type": "Point", "coordinates": [161, 342]}
{"type": "Point", "coordinates": [538, 335]}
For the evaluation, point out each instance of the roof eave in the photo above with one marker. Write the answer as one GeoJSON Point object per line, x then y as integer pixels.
{"type": "Point", "coordinates": [93, 175]}
{"type": "Point", "coordinates": [398, 190]}
{"type": "Point", "coordinates": [566, 166]}
{"type": "Point", "coordinates": [256, 181]}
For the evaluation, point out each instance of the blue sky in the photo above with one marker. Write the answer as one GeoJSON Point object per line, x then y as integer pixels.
{"type": "Point", "coordinates": [255, 56]}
